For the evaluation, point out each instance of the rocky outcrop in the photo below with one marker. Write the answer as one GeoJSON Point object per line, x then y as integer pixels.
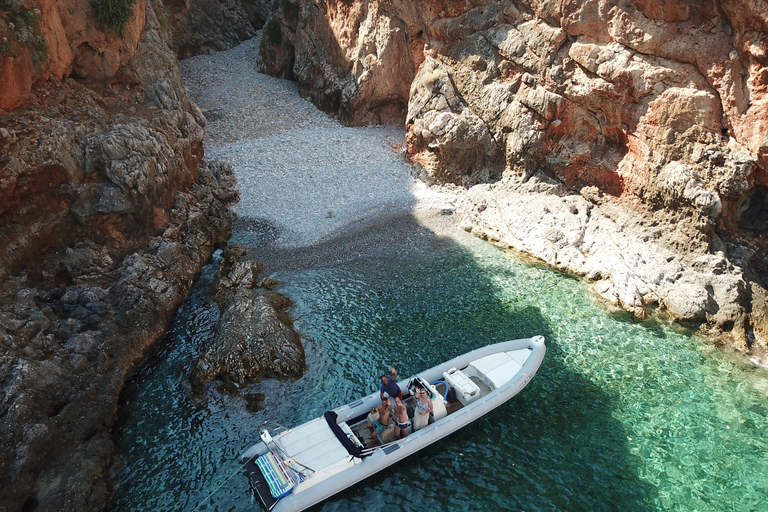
{"type": "Point", "coordinates": [107, 212]}
{"type": "Point", "coordinates": [353, 59]}
{"type": "Point", "coordinates": [646, 117]}
{"type": "Point", "coordinates": [42, 39]}
{"type": "Point", "coordinates": [254, 337]}
{"type": "Point", "coordinates": [67, 351]}
{"type": "Point", "coordinates": [631, 255]}
{"type": "Point", "coordinates": [193, 33]}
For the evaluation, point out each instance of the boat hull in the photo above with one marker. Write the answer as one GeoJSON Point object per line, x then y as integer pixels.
{"type": "Point", "coordinates": [393, 452]}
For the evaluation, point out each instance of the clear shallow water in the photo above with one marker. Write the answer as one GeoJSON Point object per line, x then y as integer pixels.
{"type": "Point", "coordinates": [623, 414]}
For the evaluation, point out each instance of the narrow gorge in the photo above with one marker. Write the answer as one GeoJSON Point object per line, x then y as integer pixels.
{"type": "Point", "coordinates": [620, 141]}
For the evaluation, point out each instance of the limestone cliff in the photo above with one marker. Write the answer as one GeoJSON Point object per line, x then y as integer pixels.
{"type": "Point", "coordinates": [107, 213]}
{"type": "Point", "coordinates": [622, 140]}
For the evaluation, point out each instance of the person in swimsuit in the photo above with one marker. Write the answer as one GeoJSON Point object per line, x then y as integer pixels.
{"type": "Point", "coordinates": [401, 419]}
{"type": "Point", "coordinates": [423, 408]}
{"type": "Point", "coordinates": [389, 385]}
{"type": "Point", "coordinates": [382, 423]}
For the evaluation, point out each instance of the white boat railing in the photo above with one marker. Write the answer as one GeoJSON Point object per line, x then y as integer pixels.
{"type": "Point", "coordinates": [274, 428]}
{"type": "Point", "coordinates": [369, 451]}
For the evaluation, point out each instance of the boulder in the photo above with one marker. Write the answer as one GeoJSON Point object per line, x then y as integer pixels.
{"type": "Point", "coordinates": [254, 337]}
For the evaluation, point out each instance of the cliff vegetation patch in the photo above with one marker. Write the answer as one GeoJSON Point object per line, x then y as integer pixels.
{"type": "Point", "coordinates": [287, 7]}
{"type": "Point", "coordinates": [23, 26]}
{"type": "Point", "coordinates": [273, 31]}
{"type": "Point", "coordinates": [114, 14]}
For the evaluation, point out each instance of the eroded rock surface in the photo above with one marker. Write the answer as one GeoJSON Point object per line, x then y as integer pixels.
{"type": "Point", "coordinates": [193, 31]}
{"type": "Point", "coordinates": [254, 337]}
{"type": "Point", "coordinates": [654, 111]}
{"type": "Point", "coordinates": [107, 212]}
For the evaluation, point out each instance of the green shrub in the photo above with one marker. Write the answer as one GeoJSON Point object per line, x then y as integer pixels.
{"type": "Point", "coordinates": [113, 14]}
{"type": "Point", "coordinates": [287, 7]}
{"type": "Point", "coordinates": [6, 47]}
{"type": "Point", "coordinates": [273, 31]}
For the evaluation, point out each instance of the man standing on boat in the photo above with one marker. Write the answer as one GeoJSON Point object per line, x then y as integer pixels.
{"type": "Point", "coordinates": [401, 419]}
{"type": "Point", "coordinates": [389, 385]}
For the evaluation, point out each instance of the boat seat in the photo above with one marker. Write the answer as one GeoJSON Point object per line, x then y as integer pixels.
{"type": "Point", "coordinates": [466, 390]}
{"type": "Point", "coordinates": [497, 369]}
{"type": "Point", "coordinates": [314, 445]}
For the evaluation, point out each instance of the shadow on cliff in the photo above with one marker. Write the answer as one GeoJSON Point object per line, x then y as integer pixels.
{"type": "Point", "coordinates": [327, 74]}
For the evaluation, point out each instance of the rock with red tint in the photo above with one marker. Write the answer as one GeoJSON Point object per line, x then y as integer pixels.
{"type": "Point", "coordinates": [107, 213]}
{"type": "Point", "coordinates": [64, 41]}
{"type": "Point", "coordinates": [658, 106]}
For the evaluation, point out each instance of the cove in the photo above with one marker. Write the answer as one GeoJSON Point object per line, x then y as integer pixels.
{"type": "Point", "coordinates": [623, 414]}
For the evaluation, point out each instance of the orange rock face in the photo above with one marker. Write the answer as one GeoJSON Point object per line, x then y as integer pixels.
{"type": "Point", "coordinates": [588, 77]}
{"type": "Point", "coordinates": [660, 105]}
{"type": "Point", "coordinates": [74, 45]}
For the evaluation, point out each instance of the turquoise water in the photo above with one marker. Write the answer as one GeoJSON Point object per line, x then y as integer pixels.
{"type": "Point", "coordinates": [623, 414]}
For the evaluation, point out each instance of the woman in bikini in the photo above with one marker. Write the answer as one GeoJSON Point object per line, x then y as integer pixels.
{"type": "Point", "coordinates": [423, 408]}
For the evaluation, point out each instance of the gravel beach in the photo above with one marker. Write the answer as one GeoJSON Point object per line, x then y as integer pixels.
{"type": "Point", "coordinates": [304, 178]}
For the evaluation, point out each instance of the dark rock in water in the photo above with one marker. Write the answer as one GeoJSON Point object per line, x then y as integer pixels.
{"type": "Point", "coordinates": [255, 336]}
{"type": "Point", "coordinates": [253, 401]}
{"type": "Point", "coordinates": [235, 273]}
{"type": "Point", "coordinates": [254, 339]}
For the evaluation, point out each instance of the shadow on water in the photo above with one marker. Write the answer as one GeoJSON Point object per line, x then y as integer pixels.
{"type": "Point", "coordinates": [555, 446]}
{"type": "Point", "coordinates": [391, 292]}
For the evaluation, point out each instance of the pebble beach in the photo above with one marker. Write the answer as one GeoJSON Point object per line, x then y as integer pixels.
{"type": "Point", "coordinates": [304, 178]}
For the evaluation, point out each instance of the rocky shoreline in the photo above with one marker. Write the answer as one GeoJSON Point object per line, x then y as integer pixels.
{"type": "Point", "coordinates": [108, 213]}
{"type": "Point", "coordinates": [623, 143]}
{"type": "Point", "coordinates": [631, 256]}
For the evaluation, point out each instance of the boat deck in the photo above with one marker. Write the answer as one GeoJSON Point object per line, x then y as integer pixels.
{"type": "Point", "coordinates": [331, 453]}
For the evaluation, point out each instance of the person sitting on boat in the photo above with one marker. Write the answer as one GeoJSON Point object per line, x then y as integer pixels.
{"type": "Point", "coordinates": [380, 419]}
{"type": "Point", "coordinates": [401, 419]}
{"type": "Point", "coordinates": [423, 408]}
{"type": "Point", "coordinates": [389, 385]}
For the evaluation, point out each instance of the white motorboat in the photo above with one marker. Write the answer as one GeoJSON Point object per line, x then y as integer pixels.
{"type": "Point", "coordinates": [292, 469]}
